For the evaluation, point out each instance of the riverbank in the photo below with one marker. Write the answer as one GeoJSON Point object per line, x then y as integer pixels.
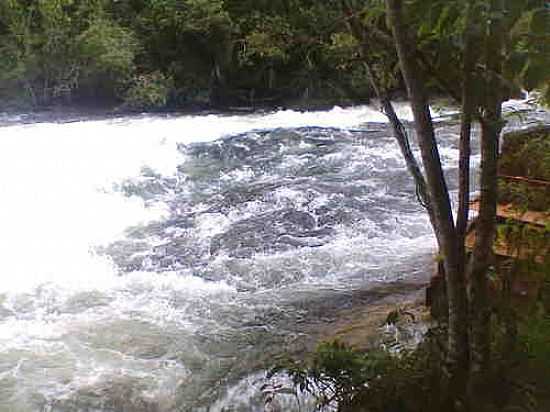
{"type": "Point", "coordinates": [396, 320]}
{"type": "Point", "coordinates": [75, 113]}
{"type": "Point", "coordinates": [357, 319]}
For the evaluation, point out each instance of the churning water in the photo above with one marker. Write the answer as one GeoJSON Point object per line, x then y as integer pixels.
{"type": "Point", "coordinates": [150, 262]}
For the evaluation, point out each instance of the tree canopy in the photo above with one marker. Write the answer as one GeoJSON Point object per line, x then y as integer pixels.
{"type": "Point", "coordinates": [237, 52]}
{"type": "Point", "coordinates": [153, 53]}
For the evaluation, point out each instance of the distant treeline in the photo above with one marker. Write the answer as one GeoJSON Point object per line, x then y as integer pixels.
{"type": "Point", "coordinates": [153, 54]}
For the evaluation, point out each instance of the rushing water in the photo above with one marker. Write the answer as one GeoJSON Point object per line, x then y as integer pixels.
{"type": "Point", "coordinates": [150, 262]}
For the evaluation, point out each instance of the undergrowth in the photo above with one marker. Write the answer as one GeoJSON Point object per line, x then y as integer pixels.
{"type": "Point", "coordinates": [343, 379]}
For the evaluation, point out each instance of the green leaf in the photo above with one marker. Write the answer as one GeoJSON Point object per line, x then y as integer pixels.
{"type": "Point", "coordinates": [535, 74]}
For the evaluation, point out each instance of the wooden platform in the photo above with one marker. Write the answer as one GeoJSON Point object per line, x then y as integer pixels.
{"type": "Point", "coordinates": [502, 249]}
{"type": "Point", "coordinates": [525, 180]}
{"type": "Point", "coordinates": [509, 211]}
{"type": "Point", "coordinates": [538, 221]}
{"type": "Point", "coordinates": [525, 287]}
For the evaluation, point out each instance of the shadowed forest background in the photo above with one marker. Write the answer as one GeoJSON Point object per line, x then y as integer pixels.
{"type": "Point", "coordinates": [194, 53]}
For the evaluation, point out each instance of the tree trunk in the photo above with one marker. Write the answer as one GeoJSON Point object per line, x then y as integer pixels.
{"type": "Point", "coordinates": [400, 134]}
{"type": "Point", "coordinates": [491, 126]}
{"type": "Point", "coordinates": [469, 104]}
{"type": "Point", "coordinates": [439, 197]}
{"type": "Point", "coordinates": [398, 129]}
{"type": "Point", "coordinates": [481, 258]}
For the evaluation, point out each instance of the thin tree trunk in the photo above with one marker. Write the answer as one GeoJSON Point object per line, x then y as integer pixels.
{"type": "Point", "coordinates": [482, 254]}
{"type": "Point", "coordinates": [491, 126]}
{"type": "Point", "coordinates": [400, 134]}
{"type": "Point", "coordinates": [398, 129]}
{"type": "Point", "coordinates": [469, 103]}
{"type": "Point", "coordinates": [439, 197]}
{"type": "Point", "coordinates": [508, 310]}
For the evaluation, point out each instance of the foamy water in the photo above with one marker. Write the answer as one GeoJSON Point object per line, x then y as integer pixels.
{"type": "Point", "coordinates": [56, 194]}
{"type": "Point", "coordinates": [75, 327]}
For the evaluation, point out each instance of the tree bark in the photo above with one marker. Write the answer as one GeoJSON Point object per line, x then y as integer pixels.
{"type": "Point", "coordinates": [398, 129]}
{"type": "Point", "coordinates": [457, 356]}
{"type": "Point", "coordinates": [400, 134]}
{"type": "Point", "coordinates": [491, 126]}
{"type": "Point", "coordinates": [468, 106]}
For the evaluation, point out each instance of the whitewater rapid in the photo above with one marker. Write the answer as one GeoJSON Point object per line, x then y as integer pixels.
{"type": "Point", "coordinates": [125, 281]}
{"type": "Point", "coordinates": [57, 187]}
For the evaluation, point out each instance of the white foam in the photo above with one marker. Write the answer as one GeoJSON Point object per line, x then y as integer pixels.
{"type": "Point", "coordinates": [57, 203]}
{"type": "Point", "coordinates": [57, 199]}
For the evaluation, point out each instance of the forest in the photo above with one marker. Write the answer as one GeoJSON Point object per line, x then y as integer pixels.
{"type": "Point", "coordinates": [152, 54]}
{"type": "Point", "coordinates": [157, 54]}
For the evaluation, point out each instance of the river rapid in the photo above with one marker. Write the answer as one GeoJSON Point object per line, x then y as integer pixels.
{"type": "Point", "coordinates": [157, 263]}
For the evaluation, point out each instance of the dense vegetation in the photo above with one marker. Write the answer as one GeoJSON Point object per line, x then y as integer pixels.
{"type": "Point", "coordinates": [184, 53]}
{"type": "Point", "coordinates": [157, 53]}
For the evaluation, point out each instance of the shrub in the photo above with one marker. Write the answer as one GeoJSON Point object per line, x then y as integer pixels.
{"type": "Point", "coordinates": [54, 50]}
{"type": "Point", "coordinates": [107, 53]}
{"type": "Point", "coordinates": [149, 91]}
{"type": "Point", "coordinates": [344, 379]}
{"type": "Point", "coordinates": [527, 153]}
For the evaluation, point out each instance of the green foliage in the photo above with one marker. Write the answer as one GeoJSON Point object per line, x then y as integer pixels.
{"type": "Point", "coordinates": [342, 48]}
{"type": "Point", "coordinates": [199, 16]}
{"type": "Point", "coordinates": [524, 197]}
{"type": "Point", "coordinates": [531, 37]}
{"type": "Point", "coordinates": [440, 27]}
{"type": "Point", "coordinates": [346, 380]}
{"type": "Point", "coordinates": [527, 154]}
{"type": "Point", "coordinates": [340, 377]}
{"type": "Point", "coordinates": [535, 335]}
{"type": "Point", "coordinates": [217, 52]}
{"type": "Point", "coordinates": [149, 91]}
{"type": "Point", "coordinates": [530, 242]}
{"type": "Point", "coordinates": [107, 49]}
{"type": "Point", "coordinates": [233, 52]}
{"type": "Point", "coordinates": [54, 48]}
{"type": "Point", "coordinates": [543, 95]}
{"type": "Point", "coordinates": [42, 65]}
{"type": "Point", "coordinates": [269, 40]}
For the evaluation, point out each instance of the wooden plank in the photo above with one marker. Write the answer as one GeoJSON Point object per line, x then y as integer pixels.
{"type": "Point", "coordinates": [501, 249]}
{"type": "Point", "coordinates": [526, 180]}
{"type": "Point", "coordinates": [509, 211]}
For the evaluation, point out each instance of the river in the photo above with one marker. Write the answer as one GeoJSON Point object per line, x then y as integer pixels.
{"type": "Point", "coordinates": [153, 262]}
